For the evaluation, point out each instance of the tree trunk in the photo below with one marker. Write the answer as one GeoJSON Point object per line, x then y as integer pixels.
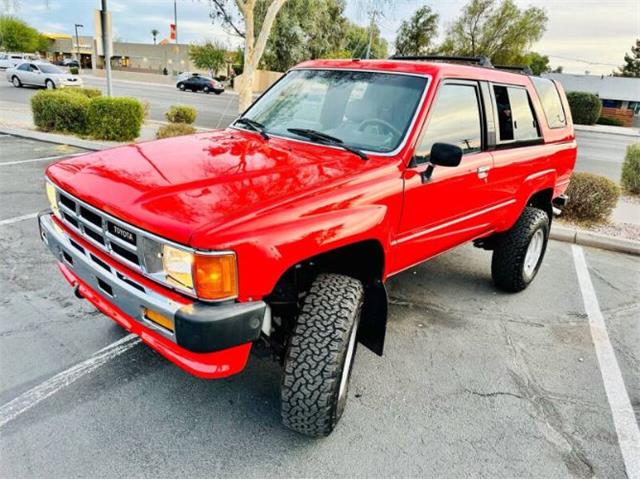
{"type": "Point", "coordinates": [253, 49]}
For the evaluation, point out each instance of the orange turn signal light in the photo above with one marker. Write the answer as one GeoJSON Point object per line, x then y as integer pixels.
{"type": "Point", "coordinates": [216, 276]}
{"type": "Point", "coordinates": [159, 319]}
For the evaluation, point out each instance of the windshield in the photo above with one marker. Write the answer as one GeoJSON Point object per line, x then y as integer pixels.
{"type": "Point", "coordinates": [49, 69]}
{"type": "Point", "coordinates": [366, 110]}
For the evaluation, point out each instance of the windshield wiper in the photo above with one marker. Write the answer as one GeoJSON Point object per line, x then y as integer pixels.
{"type": "Point", "coordinates": [327, 139]}
{"type": "Point", "coordinates": [256, 126]}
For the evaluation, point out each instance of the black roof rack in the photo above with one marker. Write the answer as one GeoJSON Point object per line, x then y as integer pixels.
{"type": "Point", "coordinates": [515, 68]}
{"type": "Point", "coordinates": [481, 60]}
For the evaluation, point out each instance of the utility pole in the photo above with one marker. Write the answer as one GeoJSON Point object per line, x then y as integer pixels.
{"type": "Point", "coordinates": [78, 44]}
{"type": "Point", "coordinates": [175, 17]}
{"type": "Point", "coordinates": [373, 22]}
{"type": "Point", "coordinates": [106, 46]}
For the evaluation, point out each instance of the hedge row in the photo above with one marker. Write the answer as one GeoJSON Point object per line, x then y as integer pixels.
{"type": "Point", "coordinates": [610, 121]}
{"type": "Point", "coordinates": [85, 112]}
{"type": "Point", "coordinates": [585, 107]}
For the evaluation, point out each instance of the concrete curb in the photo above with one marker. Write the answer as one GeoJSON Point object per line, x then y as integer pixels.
{"type": "Point", "coordinates": [597, 240]}
{"type": "Point", "coordinates": [56, 138]}
{"type": "Point", "coordinates": [606, 129]}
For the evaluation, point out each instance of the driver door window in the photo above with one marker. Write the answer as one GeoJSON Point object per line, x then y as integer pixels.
{"type": "Point", "coordinates": [455, 119]}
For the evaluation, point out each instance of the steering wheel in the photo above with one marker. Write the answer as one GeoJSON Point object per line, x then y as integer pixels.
{"type": "Point", "coordinates": [377, 121]}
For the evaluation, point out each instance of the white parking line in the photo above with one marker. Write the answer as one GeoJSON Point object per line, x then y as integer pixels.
{"type": "Point", "coordinates": [42, 159]}
{"type": "Point", "coordinates": [623, 417]}
{"type": "Point", "coordinates": [31, 398]}
{"type": "Point", "coordinates": [9, 221]}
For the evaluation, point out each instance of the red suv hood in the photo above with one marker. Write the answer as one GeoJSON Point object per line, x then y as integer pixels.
{"type": "Point", "coordinates": [174, 187]}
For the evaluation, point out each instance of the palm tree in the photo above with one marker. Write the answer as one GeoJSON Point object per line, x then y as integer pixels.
{"type": "Point", "coordinates": [155, 33]}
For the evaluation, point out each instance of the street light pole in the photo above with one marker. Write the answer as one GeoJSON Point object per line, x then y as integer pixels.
{"type": "Point", "coordinates": [175, 18]}
{"type": "Point", "coordinates": [78, 44]}
{"type": "Point", "coordinates": [106, 46]}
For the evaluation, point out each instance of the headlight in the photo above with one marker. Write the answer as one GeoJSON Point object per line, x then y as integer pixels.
{"type": "Point", "coordinates": [52, 197]}
{"type": "Point", "coordinates": [177, 266]}
{"type": "Point", "coordinates": [209, 276]}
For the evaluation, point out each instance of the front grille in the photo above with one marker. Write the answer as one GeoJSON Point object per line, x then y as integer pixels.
{"type": "Point", "coordinates": [113, 237]}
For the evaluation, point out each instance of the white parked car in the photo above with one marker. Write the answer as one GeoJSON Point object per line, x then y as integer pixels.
{"type": "Point", "coordinates": [10, 60]}
{"type": "Point", "coordinates": [43, 75]}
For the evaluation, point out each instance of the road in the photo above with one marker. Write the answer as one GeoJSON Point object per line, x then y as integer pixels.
{"type": "Point", "coordinates": [602, 153]}
{"type": "Point", "coordinates": [474, 382]}
{"type": "Point", "coordinates": [597, 152]}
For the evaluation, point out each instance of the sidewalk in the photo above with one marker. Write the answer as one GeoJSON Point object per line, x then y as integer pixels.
{"type": "Point", "coordinates": [609, 129]}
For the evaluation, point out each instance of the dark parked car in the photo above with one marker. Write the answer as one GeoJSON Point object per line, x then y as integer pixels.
{"type": "Point", "coordinates": [197, 83]}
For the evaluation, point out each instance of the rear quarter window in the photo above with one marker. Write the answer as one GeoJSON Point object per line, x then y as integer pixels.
{"type": "Point", "coordinates": [551, 103]}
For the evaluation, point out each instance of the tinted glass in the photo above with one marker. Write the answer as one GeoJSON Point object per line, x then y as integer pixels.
{"type": "Point", "coordinates": [524, 123]}
{"type": "Point", "coordinates": [367, 110]}
{"type": "Point", "coordinates": [50, 69]}
{"type": "Point", "coordinates": [551, 104]}
{"type": "Point", "coordinates": [515, 115]}
{"type": "Point", "coordinates": [455, 119]}
{"type": "Point", "coordinates": [25, 67]}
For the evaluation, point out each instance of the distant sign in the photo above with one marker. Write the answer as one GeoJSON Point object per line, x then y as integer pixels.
{"type": "Point", "coordinates": [99, 45]}
{"type": "Point", "coordinates": [172, 29]}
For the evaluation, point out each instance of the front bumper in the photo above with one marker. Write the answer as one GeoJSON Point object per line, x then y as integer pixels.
{"type": "Point", "coordinates": [207, 340]}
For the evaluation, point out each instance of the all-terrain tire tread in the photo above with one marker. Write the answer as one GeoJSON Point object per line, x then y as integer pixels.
{"type": "Point", "coordinates": [509, 254]}
{"type": "Point", "coordinates": [316, 354]}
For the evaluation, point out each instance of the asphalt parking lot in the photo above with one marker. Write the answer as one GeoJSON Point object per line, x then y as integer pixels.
{"type": "Point", "coordinates": [474, 383]}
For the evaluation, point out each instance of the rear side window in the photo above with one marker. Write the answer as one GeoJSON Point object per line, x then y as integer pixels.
{"type": "Point", "coordinates": [516, 121]}
{"type": "Point", "coordinates": [455, 119]}
{"type": "Point", "coordinates": [551, 103]}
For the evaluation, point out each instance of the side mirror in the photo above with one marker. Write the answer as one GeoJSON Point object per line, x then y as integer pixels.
{"type": "Point", "coordinates": [445, 155]}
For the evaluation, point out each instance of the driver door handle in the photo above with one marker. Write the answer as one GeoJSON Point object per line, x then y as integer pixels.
{"type": "Point", "coordinates": [483, 172]}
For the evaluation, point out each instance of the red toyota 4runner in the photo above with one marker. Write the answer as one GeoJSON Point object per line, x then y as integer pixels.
{"type": "Point", "coordinates": [283, 228]}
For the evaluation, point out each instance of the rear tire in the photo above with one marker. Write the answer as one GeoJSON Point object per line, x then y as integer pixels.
{"type": "Point", "coordinates": [519, 252]}
{"type": "Point", "coordinates": [49, 85]}
{"type": "Point", "coordinates": [320, 355]}
{"type": "Point", "coordinates": [181, 86]}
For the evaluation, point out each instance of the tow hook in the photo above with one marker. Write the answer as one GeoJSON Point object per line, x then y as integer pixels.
{"type": "Point", "coordinates": [77, 293]}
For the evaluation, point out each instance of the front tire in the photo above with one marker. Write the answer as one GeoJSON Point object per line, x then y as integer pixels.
{"type": "Point", "coordinates": [320, 355]}
{"type": "Point", "coordinates": [49, 85]}
{"type": "Point", "coordinates": [206, 90]}
{"type": "Point", "coordinates": [181, 87]}
{"type": "Point", "coordinates": [519, 252]}
{"type": "Point", "coordinates": [16, 82]}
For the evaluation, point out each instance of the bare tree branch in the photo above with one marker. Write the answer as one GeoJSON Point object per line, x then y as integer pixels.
{"type": "Point", "coordinates": [220, 11]}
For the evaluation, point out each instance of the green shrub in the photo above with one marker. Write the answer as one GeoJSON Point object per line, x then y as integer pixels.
{"type": "Point", "coordinates": [73, 70]}
{"type": "Point", "coordinates": [591, 198]}
{"type": "Point", "coordinates": [585, 107]}
{"type": "Point", "coordinates": [609, 121]}
{"type": "Point", "coordinates": [181, 114]}
{"type": "Point", "coordinates": [56, 110]}
{"type": "Point", "coordinates": [174, 130]}
{"type": "Point", "coordinates": [630, 179]}
{"type": "Point", "coordinates": [87, 92]}
{"type": "Point", "coordinates": [116, 119]}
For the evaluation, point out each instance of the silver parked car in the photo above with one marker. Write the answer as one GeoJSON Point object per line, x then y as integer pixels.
{"type": "Point", "coordinates": [43, 75]}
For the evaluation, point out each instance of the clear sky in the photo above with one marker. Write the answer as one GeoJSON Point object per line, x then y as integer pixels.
{"type": "Point", "coordinates": [578, 31]}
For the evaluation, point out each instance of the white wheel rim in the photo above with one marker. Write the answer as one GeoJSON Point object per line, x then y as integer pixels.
{"type": "Point", "coordinates": [16, 82]}
{"type": "Point", "coordinates": [49, 85]}
{"type": "Point", "coordinates": [346, 369]}
{"type": "Point", "coordinates": [534, 251]}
